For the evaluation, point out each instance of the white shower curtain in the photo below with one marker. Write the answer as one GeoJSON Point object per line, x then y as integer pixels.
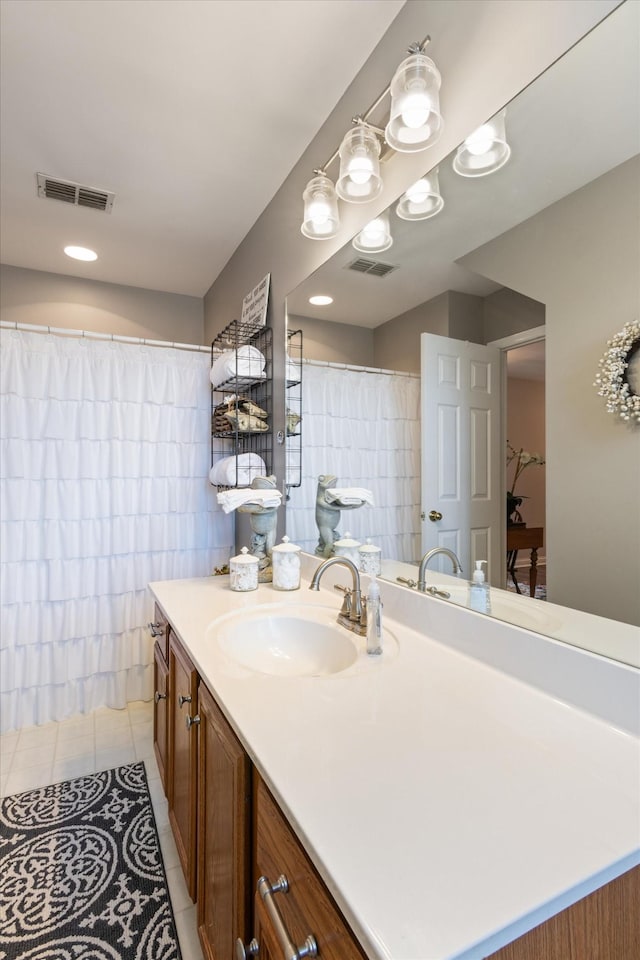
{"type": "Point", "coordinates": [104, 469]}
{"type": "Point", "coordinates": [364, 427]}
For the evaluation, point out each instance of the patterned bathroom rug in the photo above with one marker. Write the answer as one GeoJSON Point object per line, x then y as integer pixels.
{"type": "Point", "coordinates": [81, 872]}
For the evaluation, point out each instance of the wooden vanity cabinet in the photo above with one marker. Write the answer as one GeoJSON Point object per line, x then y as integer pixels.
{"type": "Point", "coordinates": [182, 791]}
{"type": "Point", "coordinates": [307, 908]}
{"type": "Point", "coordinates": [224, 833]}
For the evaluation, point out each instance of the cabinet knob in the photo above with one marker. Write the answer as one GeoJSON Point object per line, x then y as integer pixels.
{"type": "Point", "coordinates": [251, 950]}
{"type": "Point", "coordinates": [156, 629]}
{"type": "Point", "coordinates": [159, 696]}
{"type": "Point", "coordinates": [182, 700]}
{"type": "Point", "coordinates": [193, 721]}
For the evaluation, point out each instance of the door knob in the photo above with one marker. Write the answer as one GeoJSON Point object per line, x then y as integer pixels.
{"type": "Point", "coordinates": [435, 515]}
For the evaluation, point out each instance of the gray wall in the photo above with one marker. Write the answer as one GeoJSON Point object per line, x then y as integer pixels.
{"type": "Point", "coordinates": [336, 342]}
{"type": "Point", "coordinates": [507, 312]}
{"type": "Point", "coordinates": [397, 342]}
{"type": "Point", "coordinates": [580, 257]}
{"type": "Point", "coordinates": [486, 51]}
{"type": "Point", "coordinates": [53, 300]}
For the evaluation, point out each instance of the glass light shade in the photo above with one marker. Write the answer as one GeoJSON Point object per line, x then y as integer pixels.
{"type": "Point", "coordinates": [321, 220]}
{"type": "Point", "coordinates": [422, 200]}
{"type": "Point", "coordinates": [485, 150]}
{"type": "Point", "coordinates": [415, 121]}
{"type": "Point", "coordinates": [359, 180]}
{"type": "Point", "coordinates": [375, 237]}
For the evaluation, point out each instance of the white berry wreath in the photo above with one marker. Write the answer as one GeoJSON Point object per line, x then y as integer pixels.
{"type": "Point", "coordinates": [612, 379]}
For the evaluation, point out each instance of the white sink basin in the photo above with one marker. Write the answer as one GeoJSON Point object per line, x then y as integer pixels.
{"type": "Point", "coordinates": [289, 640]}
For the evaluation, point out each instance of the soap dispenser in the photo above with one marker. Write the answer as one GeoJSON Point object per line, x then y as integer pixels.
{"type": "Point", "coordinates": [374, 618]}
{"type": "Point", "coordinates": [479, 596]}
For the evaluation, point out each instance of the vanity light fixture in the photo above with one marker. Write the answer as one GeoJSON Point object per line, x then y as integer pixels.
{"type": "Point", "coordinates": [485, 150]}
{"type": "Point", "coordinates": [415, 123]}
{"type": "Point", "coordinates": [359, 180]}
{"type": "Point", "coordinates": [422, 200]}
{"type": "Point", "coordinates": [321, 219]}
{"type": "Point", "coordinates": [375, 237]}
{"type": "Point", "coordinates": [81, 253]}
{"type": "Point", "coordinates": [320, 300]}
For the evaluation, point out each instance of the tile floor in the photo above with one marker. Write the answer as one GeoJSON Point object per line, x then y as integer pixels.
{"type": "Point", "coordinates": [36, 756]}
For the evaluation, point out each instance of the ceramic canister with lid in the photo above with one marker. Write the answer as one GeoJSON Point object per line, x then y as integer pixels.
{"type": "Point", "coordinates": [285, 558]}
{"type": "Point", "coordinates": [370, 558]}
{"type": "Point", "coordinates": [244, 571]}
{"type": "Point", "coordinates": [348, 547]}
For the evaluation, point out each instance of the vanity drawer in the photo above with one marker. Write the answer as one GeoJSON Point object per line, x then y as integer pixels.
{"type": "Point", "coordinates": [307, 907]}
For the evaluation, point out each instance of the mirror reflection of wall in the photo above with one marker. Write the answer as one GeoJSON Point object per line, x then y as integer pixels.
{"type": "Point", "coordinates": [552, 238]}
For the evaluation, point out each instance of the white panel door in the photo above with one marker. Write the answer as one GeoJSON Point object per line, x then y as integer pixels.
{"type": "Point", "coordinates": [462, 464]}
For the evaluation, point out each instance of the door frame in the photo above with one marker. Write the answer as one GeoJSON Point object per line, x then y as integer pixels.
{"type": "Point", "coordinates": [533, 335]}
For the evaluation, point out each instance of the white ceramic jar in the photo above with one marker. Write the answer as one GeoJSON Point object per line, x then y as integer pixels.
{"type": "Point", "coordinates": [285, 559]}
{"type": "Point", "coordinates": [348, 547]}
{"type": "Point", "coordinates": [370, 559]}
{"type": "Point", "coordinates": [244, 571]}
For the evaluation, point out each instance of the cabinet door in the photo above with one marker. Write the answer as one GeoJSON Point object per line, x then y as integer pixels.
{"type": "Point", "coordinates": [307, 908]}
{"type": "Point", "coordinates": [224, 841]}
{"type": "Point", "coordinates": [160, 726]}
{"type": "Point", "coordinates": [183, 757]}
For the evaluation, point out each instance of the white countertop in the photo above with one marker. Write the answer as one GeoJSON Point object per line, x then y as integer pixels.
{"type": "Point", "coordinates": [448, 805]}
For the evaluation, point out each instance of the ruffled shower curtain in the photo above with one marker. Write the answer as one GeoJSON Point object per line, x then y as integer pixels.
{"type": "Point", "coordinates": [104, 487]}
{"type": "Point", "coordinates": [364, 427]}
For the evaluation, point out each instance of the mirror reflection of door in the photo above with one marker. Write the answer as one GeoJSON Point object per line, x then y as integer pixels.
{"type": "Point", "coordinates": [461, 453]}
{"type": "Point", "coordinates": [525, 430]}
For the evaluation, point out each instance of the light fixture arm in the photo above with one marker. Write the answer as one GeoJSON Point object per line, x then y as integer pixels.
{"type": "Point", "coordinates": [414, 47]}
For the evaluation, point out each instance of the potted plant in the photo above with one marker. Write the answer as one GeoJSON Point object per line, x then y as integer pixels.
{"type": "Point", "coordinates": [522, 460]}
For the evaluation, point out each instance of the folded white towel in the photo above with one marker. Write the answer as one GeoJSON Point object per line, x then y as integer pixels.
{"type": "Point", "coordinates": [348, 496]}
{"type": "Point", "coordinates": [246, 362]}
{"type": "Point", "coordinates": [293, 370]}
{"type": "Point", "coordinates": [232, 499]}
{"type": "Point", "coordinates": [237, 471]}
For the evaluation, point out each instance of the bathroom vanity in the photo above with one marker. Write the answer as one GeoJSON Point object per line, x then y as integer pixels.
{"type": "Point", "coordinates": [473, 792]}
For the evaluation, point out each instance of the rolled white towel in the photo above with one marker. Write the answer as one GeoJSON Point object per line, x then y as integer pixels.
{"type": "Point", "coordinates": [237, 471]}
{"type": "Point", "coordinates": [349, 496]}
{"type": "Point", "coordinates": [246, 362]}
{"type": "Point", "coordinates": [232, 499]}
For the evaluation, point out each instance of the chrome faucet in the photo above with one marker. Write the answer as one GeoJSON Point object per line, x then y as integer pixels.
{"type": "Point", "coordinates": [353, 613]}
{"type": "Point", "coordinates": [429, 555]}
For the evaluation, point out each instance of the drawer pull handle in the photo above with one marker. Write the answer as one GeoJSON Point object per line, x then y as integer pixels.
{"type": "Point", "coordinates": [289, 951]}
{"type": "Point", "coordinates": [159, 696]}
{"type": "Point", "coordinates": [192, 721]}
{"type": "Point", "coordinates": [182, 700]}
{"type": "Point", "coordinates": [251, 950]}
{"type": "Point", "coordinates": [156, 629]}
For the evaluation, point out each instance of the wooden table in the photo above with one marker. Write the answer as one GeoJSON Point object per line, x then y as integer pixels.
{"type": "Point", "coordinates": [521, 537]}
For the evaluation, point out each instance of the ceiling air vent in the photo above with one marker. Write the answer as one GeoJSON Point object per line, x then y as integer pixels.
{"type": "Point", "coordinates": [373, 267]}
{"type": "Point", "coordinates": [69, 192]}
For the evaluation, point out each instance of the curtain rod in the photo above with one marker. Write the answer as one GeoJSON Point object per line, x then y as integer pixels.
{"type": "Point", "coordinates": [116, 337]}
{"type": "Point", "coordinates": [356, 369]}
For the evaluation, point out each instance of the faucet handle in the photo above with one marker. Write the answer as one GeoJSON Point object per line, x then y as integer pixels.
{"type": "Point", "coordinates": [345, 610]}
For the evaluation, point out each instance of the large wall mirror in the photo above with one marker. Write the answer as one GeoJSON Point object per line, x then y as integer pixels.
{"type": "Point", "coordinates": [541, 256]}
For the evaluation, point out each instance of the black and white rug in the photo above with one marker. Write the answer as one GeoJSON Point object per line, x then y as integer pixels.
{"type": "Point", "coordinates": [81, 872]}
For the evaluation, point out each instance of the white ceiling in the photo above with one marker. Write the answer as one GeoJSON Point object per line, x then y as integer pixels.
{"type": "Point", "coordinates": [192, 111]}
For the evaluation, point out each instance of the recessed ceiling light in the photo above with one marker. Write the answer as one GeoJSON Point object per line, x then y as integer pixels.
{"type": "Point", "coordinates": [81, 253]}
{"type": "Point", "coordinates": [320, 301]}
